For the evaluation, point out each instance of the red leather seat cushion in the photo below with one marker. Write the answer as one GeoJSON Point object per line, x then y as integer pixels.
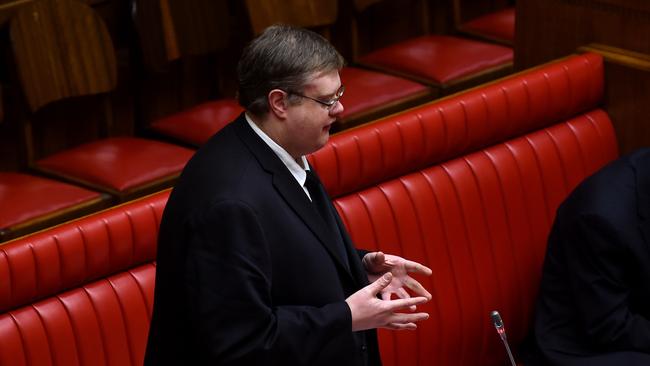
{"type": "Point", "coordinates": [119, 163]}
{"type": "Point", "coordinates": [366, 90]}
{"type": "Point", "coordinates": [198, 124]}
{"type": "Point", "coordinates": [25, 197]}
{"type": "Point", "coordinates": [440, 59]}
{"type": "Point", "coordinates": [499, 24]}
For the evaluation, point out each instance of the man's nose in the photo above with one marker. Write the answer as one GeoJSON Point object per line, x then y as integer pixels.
{"type": "Point", "coordinates": [337, 109]}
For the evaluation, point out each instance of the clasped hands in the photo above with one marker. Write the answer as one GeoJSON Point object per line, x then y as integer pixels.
{"type": "Point", "coordinates": [389, 275]}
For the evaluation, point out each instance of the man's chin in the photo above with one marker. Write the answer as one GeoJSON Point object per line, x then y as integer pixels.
{"type": "Point", "coordinates": [322, 142]}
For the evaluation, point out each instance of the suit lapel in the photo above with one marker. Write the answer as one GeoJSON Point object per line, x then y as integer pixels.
{"type": "Point", "coordinates": [287, 187]}
{"type": "Point", "coordinates": [356, 267]}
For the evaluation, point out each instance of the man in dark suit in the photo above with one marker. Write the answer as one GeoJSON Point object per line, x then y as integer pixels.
{"type": "Point", "coordinates": [594, 302]}
{"type": "Point", "coordinates": [254, 266]}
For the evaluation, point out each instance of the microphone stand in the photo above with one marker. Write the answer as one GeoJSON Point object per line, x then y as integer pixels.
{"type": "Point", "coordinates": [501, 329]}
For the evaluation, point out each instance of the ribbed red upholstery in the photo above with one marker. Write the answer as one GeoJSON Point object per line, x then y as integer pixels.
{"type": "Point", "coordinates": [120, 163]}
{"type": "Point", "coordinates": [465, 122]}
{"type": "Point", "coordinates": [369, 90]}
{"type": "Point", "coordinates": [196, 125]}
{"type": "Point", "coordinates": [103, 323]}
{"type": "Point", "coordinates": [499, 25]}
{"type": "Point", "coordinates": [439, 59]}
{"type": "Point", "coordinates": [75, 253]}
{"type": "Point", "coordinates": [481, 223]}
{"type": "Point", "coordinates": [26, 197]}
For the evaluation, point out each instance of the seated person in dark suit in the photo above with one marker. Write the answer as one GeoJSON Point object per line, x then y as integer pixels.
{"type": "Point", "coordinates": [594, 301]}
{"type": "Point", "coordinates": [254, 265]}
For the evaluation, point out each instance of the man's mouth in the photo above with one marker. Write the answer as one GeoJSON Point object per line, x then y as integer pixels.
{"type": "Point", "coordinates": [327, 127]}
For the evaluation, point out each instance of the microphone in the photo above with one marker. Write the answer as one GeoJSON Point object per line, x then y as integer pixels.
{"type": "Point", "coordinates": [501, 329]}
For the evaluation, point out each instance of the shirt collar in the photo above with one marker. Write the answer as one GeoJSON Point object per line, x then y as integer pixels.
{"type": "Point", "coordinates": [295, 169]}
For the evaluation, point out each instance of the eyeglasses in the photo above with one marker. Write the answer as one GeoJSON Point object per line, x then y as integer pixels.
{"type": "Point", "coordinates": [329, 104]}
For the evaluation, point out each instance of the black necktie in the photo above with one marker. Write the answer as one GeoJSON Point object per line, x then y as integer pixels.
{"type": "Point", "coordinates": [321, 203]}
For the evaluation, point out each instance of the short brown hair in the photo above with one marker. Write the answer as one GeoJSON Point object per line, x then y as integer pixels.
{"type": "Point", "coordinates": [282, 57]}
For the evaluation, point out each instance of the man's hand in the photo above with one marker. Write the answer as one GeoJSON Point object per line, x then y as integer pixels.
{"type": "Point", "coordinates": [369, 312]}
{"type": "Point", "coordinates": [378, 263]}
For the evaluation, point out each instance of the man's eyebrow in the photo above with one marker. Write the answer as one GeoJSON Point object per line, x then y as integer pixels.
{"type": "Point", "coordinates": [330, 94]}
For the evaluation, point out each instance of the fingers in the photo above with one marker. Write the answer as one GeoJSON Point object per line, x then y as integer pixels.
{"type": "Point", "coordinates": [414, 267]}
{"type": "Point", "coordinates": [386, 295]}
{"type": "Point", "coordinates": [401, 321]}
{"type": "Point", "coordinates": [374, 262]}
{"type": "Point", "coordinates": [416, 287]}
{"type": "Point", "coordinates": [405, 303]}
{"type": "Point", "coordinates": [402, 294]}
{"type": "Point", "coordinates": [378, 258]}
{"type": "Point", "coordinates": [383, 282]}
{"type": "Point", "coordinates": [399, 292]}
{"type": "Point", "coordinates": [397, 326]}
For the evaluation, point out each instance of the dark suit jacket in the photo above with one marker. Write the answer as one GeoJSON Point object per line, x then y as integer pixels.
{"type": "Point", "coordinates": [594, 302]}
{"type": "Point", "coordinates": [245, 272]}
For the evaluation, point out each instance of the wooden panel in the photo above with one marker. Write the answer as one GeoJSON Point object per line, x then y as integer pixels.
{"type": "Point", "coordinates": [62, 49]}
{"type": "Point", "coordinates": [388, 22]}
{"type": "Point", "coordinates": [362, 5]}
{"type": "Point", "coordinates": [8, 7]}
{"type": "Point", "coordinates": [465, 10]}
{"type": "Point", "coordinates": [157, 39]}
{"type": "Point", "coordinates": [627, 94]}
{"type": "Point", "coordinates": [169, 30]}
{"type": "Point", "coordinates": [302, 13]}
{"type": "Point", "coordinates": [201, 26]}
{"type": "Point", "coordinates": [627, 100]}
{"type": "Point", "coordinates": [547, 29]}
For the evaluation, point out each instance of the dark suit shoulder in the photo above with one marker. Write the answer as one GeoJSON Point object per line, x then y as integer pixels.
{"type": "Point", "coordinates": [609, 195]}
{"type": "Point", "coordinates": [223, 169]}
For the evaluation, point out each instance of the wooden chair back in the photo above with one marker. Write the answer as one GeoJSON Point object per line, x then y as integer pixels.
{"type": "Point", "coordinates": [169, 30]}
{"type": "Point", "coordinates": [301, 13]}
{"type": "Point", "coordinates": [62, 49]}
{"type": "Point", "coordinates": [465, 10]}
{"type": "Point", "coordinates": [362, 7]}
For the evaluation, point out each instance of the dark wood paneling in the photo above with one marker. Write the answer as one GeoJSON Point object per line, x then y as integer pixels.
{"type": "Point", "coordinates": [548, 29]}
{"type": "Point", "coordinates": [263, 13]}
{"type": "Point", "coordinates": [628, 103]}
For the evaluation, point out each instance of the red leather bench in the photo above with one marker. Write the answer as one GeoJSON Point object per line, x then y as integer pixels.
{"type": "Point", "coordinates": [468, 185]}
{"type": "Point", "coordinates": [81, 293]}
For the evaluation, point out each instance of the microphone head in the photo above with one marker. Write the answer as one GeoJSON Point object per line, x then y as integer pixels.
{"type": "Point", "coordinates": [497, 321]}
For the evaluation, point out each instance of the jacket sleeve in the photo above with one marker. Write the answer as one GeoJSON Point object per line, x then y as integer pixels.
{"type": "Point", "coordinates": [229, 286]}
{"type": "Point", "coordinates": [600, 274]}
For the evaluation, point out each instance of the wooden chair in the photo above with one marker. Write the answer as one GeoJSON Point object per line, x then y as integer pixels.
{"type": "Point", "coordinates": [447, 63]}
{"type": "Point", "coordinates": [62, 50]}
{"type": "Point", "coordinates": [189, 28]}
{"type": "Point", "coordinates": [368, 94]}
{"type": "Point", "coordinates": [495, 25]}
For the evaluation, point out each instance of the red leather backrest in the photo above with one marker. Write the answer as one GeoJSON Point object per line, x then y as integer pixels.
{"type": "Point", "coordinates": [102, 323]}
{"type": "Point", "coordinates": [480, 222]}
{"type": "Point", "coordinates": [465, 122]}
{"type": "Point", "coordinates": [73, 254]}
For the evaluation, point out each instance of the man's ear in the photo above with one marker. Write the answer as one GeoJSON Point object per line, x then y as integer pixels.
{"type": "Point", "coordinates": [278, 103]}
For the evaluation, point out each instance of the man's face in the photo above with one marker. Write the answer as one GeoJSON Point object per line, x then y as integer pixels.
{"type": "Point", "coordinates": [309, 122]}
